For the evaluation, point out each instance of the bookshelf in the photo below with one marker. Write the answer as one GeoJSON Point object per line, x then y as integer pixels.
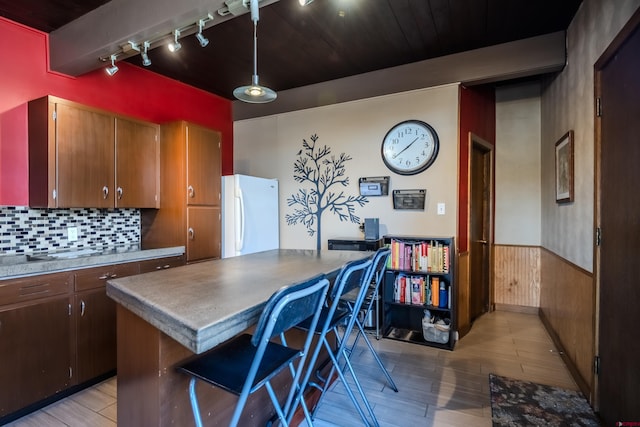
{"type": "Point", "coordinates": [419, 277]}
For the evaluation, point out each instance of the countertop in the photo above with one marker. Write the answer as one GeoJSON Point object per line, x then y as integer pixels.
{"type": "Point", "coordinates": [14, 266]}
{"type": "Point", "coordinates": [202, 305]}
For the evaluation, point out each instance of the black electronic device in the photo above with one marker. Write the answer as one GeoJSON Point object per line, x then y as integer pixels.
{"type": "Point", "coordinates": [347, 244]}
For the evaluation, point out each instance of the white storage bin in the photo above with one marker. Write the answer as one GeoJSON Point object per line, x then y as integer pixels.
{"type": "Point", "coordinates": [435, 332]}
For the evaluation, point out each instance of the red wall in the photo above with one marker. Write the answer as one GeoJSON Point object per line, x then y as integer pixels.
{"type": "Point", "coordinates": [133, 91]}
{"type": "Point", "coordinates": [477, 115]}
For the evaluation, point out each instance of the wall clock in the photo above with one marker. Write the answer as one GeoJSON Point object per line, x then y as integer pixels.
{"type": "Point", "coordinates": [410, 147]}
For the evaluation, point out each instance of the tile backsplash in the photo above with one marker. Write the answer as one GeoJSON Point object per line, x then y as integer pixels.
{"type": "Point", "coordinates": [29, 230]}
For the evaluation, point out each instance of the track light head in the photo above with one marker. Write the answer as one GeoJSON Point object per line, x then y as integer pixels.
{"type": "Point", "coordinates": [145, 56]}
{"type": "Point", "coordinates": [113, 68]}
{"type": "Point", "coordinates": [175, 45]}
{"type": "Point", "coordinates": [201, 38]}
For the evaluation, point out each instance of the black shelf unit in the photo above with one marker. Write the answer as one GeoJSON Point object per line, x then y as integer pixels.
{"type": "Point", "coordinates": [402, 320]}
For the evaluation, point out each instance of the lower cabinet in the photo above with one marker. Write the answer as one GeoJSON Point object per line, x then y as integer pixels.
{"type": "Point", "coordinates": [161, 263]}
{"type": "Point", "coordinates": [58, 331]}
{"type": "Point", "coordinates": [95, 315]}
{"type": "Point", "coordinates": [36, 351]}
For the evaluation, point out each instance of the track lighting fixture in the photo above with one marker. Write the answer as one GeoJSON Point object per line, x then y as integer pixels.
{"type": "Point", "coordinates": [255, 93]}
{"type": "Point", "coordinates": [175, 45]}
{"type": "Point", "coordinates": [113, 68]}
{"type": "Point", "coordinates": [201, 38]}
{"type": "Point", "coordinates": [131, 48]}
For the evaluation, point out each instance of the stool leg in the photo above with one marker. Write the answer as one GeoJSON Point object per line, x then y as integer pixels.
{"type": "Point", "coordinates": [194, 402]}
{"type": "Point", "coordinates": [350, 349]}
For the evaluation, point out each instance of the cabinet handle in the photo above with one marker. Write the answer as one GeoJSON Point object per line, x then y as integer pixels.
{"type": "Point", "coordinates": [192, 233]}
{"type": "Point", "coordinates": [104, 277]}
{"type": "Point", "coordinates": [166, 266]}
{"type": "Point", "coordinates": [82, 306]}
{"type": "Point", "coordinates": [192, 192]}
{"type": "Point", "coordinates": [119, 192]}
{"type": "Point", "coordinates": [484, 242]}
{"type": "Point", "coordinates": [105, 192]}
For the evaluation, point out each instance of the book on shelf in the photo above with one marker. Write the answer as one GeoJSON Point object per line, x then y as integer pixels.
{"type": "Point", "coordinates": [435, 291]}
{"type": "Point", "coordinates": [417, 290]}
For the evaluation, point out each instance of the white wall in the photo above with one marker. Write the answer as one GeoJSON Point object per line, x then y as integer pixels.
{"type": "Point", "coordinates": [268, 147]}
{"type": "Point", "coordinates": [517, 164]}
{"type": "Point", "coordinates": [567, 103]}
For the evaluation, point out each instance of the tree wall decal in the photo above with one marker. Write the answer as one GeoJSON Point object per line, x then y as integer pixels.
{"type": "Point", "coordinates": [322, 171]}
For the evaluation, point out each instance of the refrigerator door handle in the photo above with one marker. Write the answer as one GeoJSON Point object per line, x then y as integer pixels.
{"type": "Point", "coordinates": [240, 241]}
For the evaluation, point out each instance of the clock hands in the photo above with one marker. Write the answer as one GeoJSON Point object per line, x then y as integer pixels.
{"type": "Point", "coordinates": [404, 149]}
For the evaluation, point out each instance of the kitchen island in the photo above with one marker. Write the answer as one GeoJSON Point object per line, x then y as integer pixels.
{"type": "Point", "coordinates": [166, 317]}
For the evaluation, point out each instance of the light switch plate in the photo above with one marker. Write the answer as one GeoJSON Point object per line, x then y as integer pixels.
{"type": "Point", "coordinates": [72, 234]}
{"type": "Point", "coordinates": [441, 209]}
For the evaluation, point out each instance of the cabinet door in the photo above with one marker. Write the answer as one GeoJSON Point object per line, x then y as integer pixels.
{"type": "Point", "coordinates": [85, 157]}
{"type": "Point", "coordinates": [203, 233]}
{"type": "Point", "coordinates": [95, 315]}
{"type": "Point", "coordinates": [137, 164]}
{"type": "Point", "coordinates": [35, 352]}
{"type": "Point", "coordinates": [203, 166]}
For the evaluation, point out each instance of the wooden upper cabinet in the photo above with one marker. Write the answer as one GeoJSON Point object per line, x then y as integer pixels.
{"type": "Point", "coordinates": [137, 164]}
{"type": "Point", "coordinates": [85, 152]}
{"type": "Point", "coordinates": [189, 213]}
{"type": "Point", "coordinates": [203, 166]}
{"type": "Point", "coordinates": [73, 150]}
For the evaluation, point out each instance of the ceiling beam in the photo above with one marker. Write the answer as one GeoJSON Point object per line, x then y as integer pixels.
{"type": "Point", "coordinates": [77, 48]}
{"type": "Point", "coordinates": [522, 58]}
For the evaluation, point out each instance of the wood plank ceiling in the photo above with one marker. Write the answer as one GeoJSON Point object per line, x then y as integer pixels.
{"type": "Point", "coordinates": [327, 39]}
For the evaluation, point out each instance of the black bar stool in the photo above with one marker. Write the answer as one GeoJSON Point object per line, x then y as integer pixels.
{"type": "Point", "coordinates": [352, 277]}
{"type": "Point", "coordinates": [247, 362]}
{"type": "Point", "coordinates": [379, 266]}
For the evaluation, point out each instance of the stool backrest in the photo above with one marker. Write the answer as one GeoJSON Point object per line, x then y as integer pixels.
{"type": "Point", "coordinates": [379, 264]}
{"type": "Point", "coordinates": [352, 275]}
{"type": "Point", "coordinates": [289, 306]}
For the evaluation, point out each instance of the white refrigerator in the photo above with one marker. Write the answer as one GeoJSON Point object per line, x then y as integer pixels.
{"type": "Point", "coordinates": [250, 220]}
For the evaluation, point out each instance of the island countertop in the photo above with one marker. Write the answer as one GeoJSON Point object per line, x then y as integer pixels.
{"type": "Point", "coordinates": [202, 305]}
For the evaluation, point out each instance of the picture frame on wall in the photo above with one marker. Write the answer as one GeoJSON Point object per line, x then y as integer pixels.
{"type": "Point", "coordinates": [564, 168]}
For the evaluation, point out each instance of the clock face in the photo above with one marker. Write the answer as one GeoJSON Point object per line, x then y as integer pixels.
{"type": "Point", "coordinates": [410, 147]}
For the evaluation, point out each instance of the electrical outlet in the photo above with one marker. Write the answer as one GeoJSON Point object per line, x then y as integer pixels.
{"type": "Point", "coordinates": [72, 234]}
{"type": "Point", "coordinates": [441, 209]}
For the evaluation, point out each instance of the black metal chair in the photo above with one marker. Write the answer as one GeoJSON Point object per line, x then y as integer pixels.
{"type": "Point", "coordinates": [352, 277]}
{"type": "Point", "coordinates": [378, 266]}
{"type": "Point", "coordinates": [247, 362]}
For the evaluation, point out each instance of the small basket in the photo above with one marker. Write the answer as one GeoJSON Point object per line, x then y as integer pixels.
{"type": "Point", "coordinates": [435, 332]}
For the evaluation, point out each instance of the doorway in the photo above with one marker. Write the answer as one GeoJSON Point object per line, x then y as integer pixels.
{"type": "Point", "coordinates": [617, 213]}
{"type": "Point", "coordinates": [480, 236]}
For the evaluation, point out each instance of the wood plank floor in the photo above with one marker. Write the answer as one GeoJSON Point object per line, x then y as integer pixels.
{"type": "Point", "coordinates": [436, 387]}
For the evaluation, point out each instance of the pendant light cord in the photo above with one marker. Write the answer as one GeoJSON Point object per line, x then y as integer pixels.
{"type": "Point", "coordinates": [255, 52]}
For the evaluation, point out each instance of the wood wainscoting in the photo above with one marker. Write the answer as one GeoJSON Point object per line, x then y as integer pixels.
{"type": "Point", "coordinates": [516, 277]}
{"type": "Point", "coordinates": [567, 309]}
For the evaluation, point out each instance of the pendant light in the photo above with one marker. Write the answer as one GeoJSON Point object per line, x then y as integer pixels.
{"type": "Point", "coordinates": [255, 93]}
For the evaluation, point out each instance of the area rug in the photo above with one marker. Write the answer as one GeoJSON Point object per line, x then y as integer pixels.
{"type": "Point", "coordinates": [516, 403]}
